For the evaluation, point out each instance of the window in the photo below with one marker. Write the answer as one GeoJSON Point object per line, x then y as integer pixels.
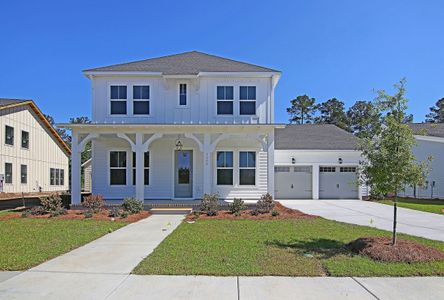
{"type": "Point", "coordinates": [347, 170]}
{"type": "Point", "coordinates": [23, 173]}
{"type": "Point", "coordinates": [62, 177]}
{"type": "Point", "coordinates": [25, 139]}
{"type": "Point", "coordinates": [247, 97]}
{"type": "Point", "coordinates": [52, 176]}
{"type": "Point", "coordinates": [9, 135]}
{"type": "Point", "coordinates": [225, 96]}
{"type": "Point", "coordinates": [146, 168]}
{"type": "Point", "coordinates": [117, 163]}
{"type": "Point", "coordinates": [8, 173]}
{"type": "Point", "coordinates": [302, 169]}
{"type": "Point", "coordinates": [247, 168]}
{"type": "Point", "coordinates": [118, 99]}
{"type": "Point", "coordinates": [224, 167]}
{"type": "Point", "coordinates": [281, 169]}
{"type": "Point", "coordinates": [56, 176]}
{"type": "Point", "coordinates": [327, 169]}
{"type": "Point", "coordinates": [141, 96]}
{"type": "Point", "coordinates": [182, 94]}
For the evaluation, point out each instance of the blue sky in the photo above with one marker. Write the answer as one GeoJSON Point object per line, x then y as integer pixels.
{"type": "Point", "coordinates": [342, 49]}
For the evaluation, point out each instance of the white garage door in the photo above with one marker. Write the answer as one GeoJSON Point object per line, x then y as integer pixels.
{"type": "Point", "coordinates": [293, 182]}
{"type": "Point", "coordinates": [338, 183]}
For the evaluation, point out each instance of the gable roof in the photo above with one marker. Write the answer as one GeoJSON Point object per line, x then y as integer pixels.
{"type": "Point", "coordinates": [10, 103]}
{"type": "Point", "coordinates": [187, 63]}
{"type": "Point", "coordinates": [314, 137]}
{"type": "Point", "coordinates": [428, 129]}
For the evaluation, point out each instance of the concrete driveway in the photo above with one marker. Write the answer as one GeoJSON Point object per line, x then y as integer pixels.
{"type": "Point", "coordinates": [413, 222]}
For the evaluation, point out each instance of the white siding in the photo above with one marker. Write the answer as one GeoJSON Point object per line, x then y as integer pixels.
{"type": "Point", "coordinates": [87, 173]}
{"type": "Point", "coordinates": [43, 153]}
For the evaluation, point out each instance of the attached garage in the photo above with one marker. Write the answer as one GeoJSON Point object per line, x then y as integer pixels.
{"type": "Point", "coordinates": [336, 182]}
{"type": "Point", "coordinates": [293, 182]}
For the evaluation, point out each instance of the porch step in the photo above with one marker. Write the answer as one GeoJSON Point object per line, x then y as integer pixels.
{"type": "Point", "coordinates": [171, 210]}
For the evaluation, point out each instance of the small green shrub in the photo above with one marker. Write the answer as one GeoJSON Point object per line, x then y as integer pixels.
{"type": "Point", "coordinates": [58, 212]}
{"type": "Point", "coordinates": [51, 203]}
{"type": "Point", "coordinates": [93, 203]}
{"type": "Point", "coordinates": [275, 213]}
{"type": "Point", "coordinates": [114, 212]}
{"type": "Point", "coordinates": [265, 204]}
{"type": "Point", "coordinates": [88, 214]}
{"type": "Point", "coordinates": [210, 204]}
{"type": "Point", "coordinates": [254, 212]}
{"type": "Point", "coordinates": [237, 206]}
{"type": "Point", "coordinates": [124, 214]}
{"type": "Point", "coordinates": [132, 205]}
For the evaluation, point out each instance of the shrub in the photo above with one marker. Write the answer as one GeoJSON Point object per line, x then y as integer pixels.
{"type": "Point", "coordinates": [114, 212]}
{"type": "Point", "coordinates": [132, 205]}
{"type": "Point", "coordinates": [265, 204]}
{"type": "Point", "coordinates": [93, 203]}
{"type": "Point", "coordinates": [275, 213]}
{"type": "Point", "coordinates": [51, 203]}
{"type": "Point", "coordinates": [58, 212]}
{"type": "Point", "coordinates": [124, 214]}
{"type": "Point", "coordinates": [88, 214]}
{"type": "Point", "coordinates": [210, 204]}
{"type": "Point", "coordinates": [237, 206]}
{"type": "Point", "coordinates": [254, 212]}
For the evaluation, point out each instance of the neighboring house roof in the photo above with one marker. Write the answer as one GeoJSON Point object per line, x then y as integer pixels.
{"type": "Point", "coordinates": [10, 103]}
{"type": "Point", "coordinates": [428, 129]}
{"type": "Point", "coordinates": [314, 137]}
{"type": "Point", "coordinates": [187, 63]}
{"type": "Point", "coordinates": [87, 163]}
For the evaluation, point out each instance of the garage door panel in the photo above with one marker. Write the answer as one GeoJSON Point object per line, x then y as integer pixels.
{"type": "Point", "coordinates": [293, 182]}
{"type": "Point", "coordinates": [338, 183]}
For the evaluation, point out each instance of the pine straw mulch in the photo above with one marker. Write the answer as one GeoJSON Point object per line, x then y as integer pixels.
{"type": "Point", "coordinates": [103, 215]}
{"type": "Point", "coordinates": [285, 213]}
{"type": "Point", "coordinates": [381, 249]}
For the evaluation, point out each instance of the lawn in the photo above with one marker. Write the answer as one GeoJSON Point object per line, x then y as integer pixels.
{"type": "Point", "coordinates": [25, 243]}
{"type": "Point", "coordinates": [313, 247]}
{"type": "Point", "coordinates": [433, 206]}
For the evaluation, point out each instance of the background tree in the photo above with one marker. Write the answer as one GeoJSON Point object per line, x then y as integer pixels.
{"type": "Point", "coordinates": [389, 164]}
{"type": "Point", "coordinates": [363, 119]}
{"type": "Point", "coordinates": [436, 114]}
{"type": "Point", "coordinates": [302, 109]}
{"type": "Point", "coordinates": [332, 112]}
{"type": "Point", "coordinates": [86, 153]}
{"type": "Point", "coordinates": [62, 132]}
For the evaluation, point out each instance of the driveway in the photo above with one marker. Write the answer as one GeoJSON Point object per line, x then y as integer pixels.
{"type": "Point", "coordinates": [367, 213]}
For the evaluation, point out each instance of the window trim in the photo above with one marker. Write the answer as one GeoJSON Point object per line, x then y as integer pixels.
{"type": "Point", "coordinates": [247, 168]}
{"type": "Point", "coordinates": [21, 144]}
{"type": "Point", "coordinates": [131, 113]}
{"type": "Point", "coordinates": [224, 100]}
{"type": "Point", "coordinates": [225, 168]}
{"type": "Point", "coordinates": [187, 95]}
{"type": "Point", "coordinates": [12, 173]}
{"type": "Point", "coordinates": [109, 167]}
{"type": "Point", "coordinates": [133, 168]}
{"type": "Point", "coordinates": [21, 174]}
{"type": "Point", "coordinates": [122, 100]}
{"type": "Point", "coordinates": [248, 100]}
{"type": "Point", "coordinates": [13, 136]}
{"type": "Point", "coordinates": [57, 176]}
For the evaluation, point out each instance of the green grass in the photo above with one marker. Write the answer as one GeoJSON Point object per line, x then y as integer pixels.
{"type": "Point", "coordinates": [288, 247]}
{"type": "Point", "coordinates": [433, 206]}
{"type": "Point", "coordinates": [25, 243]}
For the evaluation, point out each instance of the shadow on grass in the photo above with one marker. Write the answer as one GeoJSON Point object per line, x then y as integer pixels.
{"type": "Point", "coordinates": [321, 248]}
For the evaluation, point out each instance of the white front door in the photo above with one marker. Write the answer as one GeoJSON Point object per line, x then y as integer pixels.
{"type": "Point", "coordinates": [183, 177]}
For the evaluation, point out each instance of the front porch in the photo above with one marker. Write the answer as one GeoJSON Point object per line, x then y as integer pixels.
{"type": "Point", "coordinates": [175, 162]}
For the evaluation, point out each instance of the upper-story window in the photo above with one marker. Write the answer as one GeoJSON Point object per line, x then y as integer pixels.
{"type": "Point", "coordinates": [25, 139]}
{"type": "Point", "coordinates": [9, 135]}
{"type": "Point", "coordinates": [141, 97]}
{"type": "Point", "coordinates": [225, 97]}
{"type": "Point", "coordinates": [247, 100]}
{"type": "Point", "coordinates": [183, 94]}
{"type": "Point", "coordinates": [118, 99]}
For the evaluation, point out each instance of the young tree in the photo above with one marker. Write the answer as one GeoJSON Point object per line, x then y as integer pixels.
{"type": "Point", "coordinates": [389, 164]}
{"type": "Point", "coordinates": [302, 109]}
{"type": "Point", "coordinates": [436, 114]}
{"type": "Point", "coordinates": [363, 119]}
{"type": "Point", "coordinates": [86, 154]}
{"type": "Point", "coordinates": [332, 112]}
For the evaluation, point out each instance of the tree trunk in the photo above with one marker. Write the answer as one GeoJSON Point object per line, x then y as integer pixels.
{"type": "Point", "coordinates": [395, 218]}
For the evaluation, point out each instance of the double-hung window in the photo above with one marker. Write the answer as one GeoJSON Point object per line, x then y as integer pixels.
{"type": "Point", "coordinates": [9, 135]}
{"type": "Point", "coordinates": [8, 173]}
{"type": "Point", "coordinates": [118, 99]}
{"type": "Point", "coordinates": [247, 100]}
{"type": "Point", "coordinates": [247, 168]}
{"type": "Point", "coordinates": [225, 97]}
{"type": "Point", "coordinates": [23, 174]}
{"type": "Point", "coordinates": [146, 168]}
{"type": "Point", "coordinates": [224, 167]}
{"type": "Point", "coordinates": [183, 94]}
{"type": "Point", "coordinates": [56, 176]}
{"type": "Point", "coordinates": [25, 139]}
{"type": "Point", "coordinates": [52, 175]}
{"type": "Point", "coordinates": [141, 100]}
{"type": "Point", "coordinates": [62, 177]}
{"type": "Point", "coordinates": [117, 163]}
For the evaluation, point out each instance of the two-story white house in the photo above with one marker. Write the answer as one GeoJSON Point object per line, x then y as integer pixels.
{"type": "Point", "coordinates": [179, 126]}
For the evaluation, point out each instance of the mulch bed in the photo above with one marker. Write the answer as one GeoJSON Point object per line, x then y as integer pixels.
{"type": "Point", "coordinates": [381, 249]}
{"type": "Point", "coordinates": [285, 213]}
{"type": "Point", "coordinates": [78, 215]}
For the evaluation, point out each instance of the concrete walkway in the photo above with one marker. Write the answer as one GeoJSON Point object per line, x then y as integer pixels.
{"type": "Point", "coordinates": [413, 222]}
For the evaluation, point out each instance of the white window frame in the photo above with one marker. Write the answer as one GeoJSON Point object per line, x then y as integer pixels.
{"type": "Point", "coordinates": [225, 168]}
{"type": "Point", "coordinates": [134, 166]}
{"type": "Point", "coordinates": [187, 95]}
{"type": "Point", "coordinates": [223, 100]}
{"type": "Point", "coordinates": [248, 100]}
{"type": "Point", "coordinates": [126, 100]}
{"type": "Point", "coordinates": [247, 168]}
{"type": "Point", "coordinates": [109, 168]}
{"type": "Point", "coordinates": [131, 112]}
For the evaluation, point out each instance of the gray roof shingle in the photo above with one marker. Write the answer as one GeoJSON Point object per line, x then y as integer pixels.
{"type": "Point", "coordinates": [7, 101]}
{"type": "Point", "coordinates": [429, 129]}
{"type": "Point", "coordinates": [314, 137]}
{"type": "Point", "coordinates": [187, 63]}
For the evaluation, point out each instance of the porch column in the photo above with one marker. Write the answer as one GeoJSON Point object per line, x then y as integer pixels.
{"type": "Point", "coordinates": [315, 181]}
{"type": "Point", "coordinates": [75, 169]}
{"type": "Point", "coordinates": [207, 164]}
{"type": "Point", "coordinates": [270, 160]}
{"type": "Point", "coordinates": [139, 149]}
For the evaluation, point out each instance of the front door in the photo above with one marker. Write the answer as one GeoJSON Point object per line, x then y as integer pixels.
{"type": "Point", "coordinates": [183, 178]}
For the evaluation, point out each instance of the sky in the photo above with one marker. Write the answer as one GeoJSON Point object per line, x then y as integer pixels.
{"type": "Point", "coordinates": [324, 48]}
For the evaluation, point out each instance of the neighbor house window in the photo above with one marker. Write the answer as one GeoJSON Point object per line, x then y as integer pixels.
{"type": "Point", "coordinates": [117, 163]}
{"type": "Point", "coordinates": [182, 94]}
{"type": "Point", "coordinates": [23, 173]}
{"type": "Point", "coordinates": [56, 176]}
{"type": "Point", "coordinates": [9, 135]}
{"type": "Point", "coordinates": [247, 100]}
{"type": "Point", "coordinates": [141, 97]}
{"type": "Point", "coordinates": [52, 176]}
{"type": "Point", "coordinates": [25, 139]}
{"type": "Point", "coordinates": [8, 173]}
{"type": "Point", "coordinates": [146, 168]}
{"type": "Point", "coordinates": [225, 97]}
{"type": "Point", "coordinates": [247, 168]}
{"type": "Point", "coordinates": [62, 177]}
{"type": "Point", "coordinates": [224, 167]}
{"type": "Point", "coordinates": [118, 99]}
